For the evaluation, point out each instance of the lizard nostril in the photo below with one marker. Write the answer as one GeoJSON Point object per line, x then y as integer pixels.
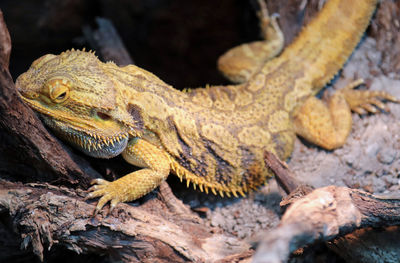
{"type": "Point", "coordinates": [103, 116]}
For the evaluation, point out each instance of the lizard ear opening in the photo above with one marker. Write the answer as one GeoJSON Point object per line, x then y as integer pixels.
{"type": "Point", "coordinates": [103, 116]}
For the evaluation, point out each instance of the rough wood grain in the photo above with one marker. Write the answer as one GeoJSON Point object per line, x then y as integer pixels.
{"type": "Point", "coordinates": [369, 245]}
{"type": "Point", "coordinates": [46, 215]}
{"type": "Point", "coordinates": [324, 214]}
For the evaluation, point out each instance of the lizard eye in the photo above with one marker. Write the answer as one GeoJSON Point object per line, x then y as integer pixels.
{"type": "Point", "coordinates": [58, 90]}
{"type": "Point", "coordinates": [62, 96]}
{"type": "Point", "coordinates": [59, 94]}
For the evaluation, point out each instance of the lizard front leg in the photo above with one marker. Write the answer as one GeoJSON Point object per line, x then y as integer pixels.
{"type": "Point", "coordinates": [132, 186]}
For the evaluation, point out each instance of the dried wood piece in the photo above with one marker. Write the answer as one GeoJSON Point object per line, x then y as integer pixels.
{"type": "Point", "coordinates": [286, 180]}
{"type": "Point", "coordinates": [369, 245]}
{"type": "Point", "coordinates": [46, 215]}
{"type": "Point", "coordinates": [385, 29]}
{"type": "Point", "coordinates": [324, 214]}
{"type": "Point", "coordinates": [284, 176]}
{"type": "Point", "coordinates": [5, 40]}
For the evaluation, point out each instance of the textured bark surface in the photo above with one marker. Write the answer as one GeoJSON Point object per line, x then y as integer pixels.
{"type": "Point", "coordinates": [369, 245]}
{"type": "Point", "coordinates": [46, 215]}
{"type": "Point", "coordinates": [385, 29]}
{"type": "Point", "coordinates": [324, 214]}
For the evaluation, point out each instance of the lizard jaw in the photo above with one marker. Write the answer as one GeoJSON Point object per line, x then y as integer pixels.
{"type": "Point", "coordinates": [93, 145]}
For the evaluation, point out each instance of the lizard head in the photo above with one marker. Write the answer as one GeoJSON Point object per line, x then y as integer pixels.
{"type": "Point", "coordinates": [77, 100]}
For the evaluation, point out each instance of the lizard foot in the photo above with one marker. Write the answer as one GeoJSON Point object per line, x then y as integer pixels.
{"type": "Point", "coordinates": [108, 191]}
{"type": "Point", "coordinates": [366, 101]}
{"type": "Point", "coordinates": [241, 62]}
{"type": "Point", "coordinates": [266, 20]}
{"type": "Point", "coordinates": [127, 188]}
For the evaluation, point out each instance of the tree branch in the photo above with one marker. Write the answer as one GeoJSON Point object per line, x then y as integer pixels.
{"type": "Point", "coordinates": [321, 215]}
{"type": "Point", "coordinates": [48, 215]}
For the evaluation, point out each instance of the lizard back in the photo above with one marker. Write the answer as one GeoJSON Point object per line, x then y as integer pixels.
{"type": "Point", "coordinates": [230, 127]}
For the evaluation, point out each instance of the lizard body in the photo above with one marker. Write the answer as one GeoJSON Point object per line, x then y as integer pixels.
{"type": "Point", "coordinates": [213, 137]}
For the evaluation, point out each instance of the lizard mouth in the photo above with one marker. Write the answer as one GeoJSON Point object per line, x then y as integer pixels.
{"type": "Point", "coordinates": [98, 146]}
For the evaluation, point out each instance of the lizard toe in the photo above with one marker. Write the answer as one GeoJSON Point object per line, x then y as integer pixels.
{"type": "Point", "coordinates": [99, 181]}
{"type": "Point", "coordinates": [369, 107]}
{"type": "Point", "coordinates": [369, 101]}
{"type": "Point", "coordinates": [103, 200]}
{"type": "Point", "coordinates": [96, 187]}
{"type": "Point", "coordinates": [95, 193]}
{"type": "Point", "coordinates": [114, 202]}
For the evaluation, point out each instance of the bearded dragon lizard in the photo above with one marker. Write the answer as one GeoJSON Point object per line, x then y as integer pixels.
{"type": "Point", "coordinates": [213, 137]}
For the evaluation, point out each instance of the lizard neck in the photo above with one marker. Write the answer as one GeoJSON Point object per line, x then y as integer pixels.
{"type": "Point", "coordinates": [317, 54]}
{"type": "Point", "coordinates": [149, 103]}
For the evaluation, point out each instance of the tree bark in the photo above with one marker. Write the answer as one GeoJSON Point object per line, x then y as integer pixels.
{"type": "Point", "coordinates": [46, 215]}
{"type": "Point", "coordinates": [323, 215]}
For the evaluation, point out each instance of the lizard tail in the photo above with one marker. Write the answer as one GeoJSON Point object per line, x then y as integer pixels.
{"type": "Point", "coordinates": [320, 50]}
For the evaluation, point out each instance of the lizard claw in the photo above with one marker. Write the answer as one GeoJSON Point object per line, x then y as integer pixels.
{"type": "Point", "coordinates": [364, 101]}
{"type": "Point", "coordinates": [102, 201]}
{"type": "Point", "coordinates": [99, 181]}
{"type": "Point", "coordinates": [107, 191]}
{"type": "Point", "coordinates": [96, 187]}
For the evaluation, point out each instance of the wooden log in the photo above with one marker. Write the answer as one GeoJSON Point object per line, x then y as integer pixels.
{"type": "Point", "coordinates": [47, 215]}
{"type": "Point", "coordinates": [323, 215]}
